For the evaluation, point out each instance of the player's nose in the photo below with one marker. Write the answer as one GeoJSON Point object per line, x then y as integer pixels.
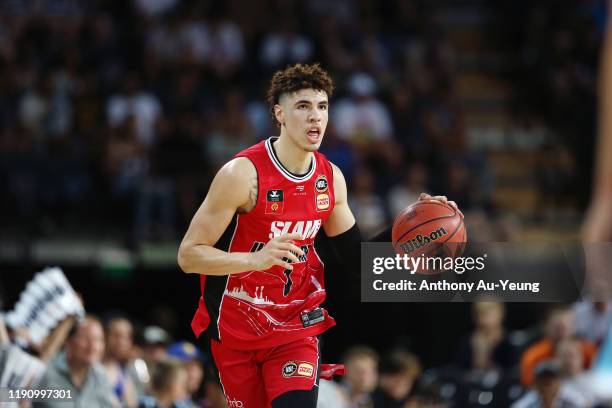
{"type": "Point", "coordinates": [315, 115]}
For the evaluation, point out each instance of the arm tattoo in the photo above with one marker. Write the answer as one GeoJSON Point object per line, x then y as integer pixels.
{"type": "Point", "coordinates": [253, 191]}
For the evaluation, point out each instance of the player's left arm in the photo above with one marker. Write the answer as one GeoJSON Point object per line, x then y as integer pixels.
{"type": "Point", "coordinates": [342, 230]}
{"type": "Point", "coordinates": [341, 218]}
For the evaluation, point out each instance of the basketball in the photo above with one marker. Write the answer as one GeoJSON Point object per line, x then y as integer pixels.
{"type": "Point", "coordinates": [429, 228]}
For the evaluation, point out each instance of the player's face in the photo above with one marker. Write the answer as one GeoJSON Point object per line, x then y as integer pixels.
{"type": "Point", "coordinates": [304, 116]}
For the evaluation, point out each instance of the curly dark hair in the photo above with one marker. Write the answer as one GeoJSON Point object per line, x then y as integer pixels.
{"type": "Point", "coordinates": [297, 77]}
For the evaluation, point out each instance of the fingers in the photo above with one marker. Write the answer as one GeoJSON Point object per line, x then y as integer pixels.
{"type": "Point", "coordinates": [286, 254]}
{"type": "Point", "coordinates": [425, 196]}
{"type": "Point", "coordinates": [291, 247]}
{"type": "Point", "coordinates": [456, 208]}
{"type": "Point", "coordinates": [296, 236]}
{"type": "Point", "coordinates": [442, 199]}
{"type": "Point", "coordinates": [439, 198]}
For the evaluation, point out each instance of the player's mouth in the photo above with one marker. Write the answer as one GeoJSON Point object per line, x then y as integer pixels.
{"type": "Point", "coordinates": [314, 134]}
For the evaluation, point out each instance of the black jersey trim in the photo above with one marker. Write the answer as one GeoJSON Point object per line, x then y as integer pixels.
{"type": "Point", "coordinates": [279, 166]}
{"type": "Point", "coordinates": [216, 285]}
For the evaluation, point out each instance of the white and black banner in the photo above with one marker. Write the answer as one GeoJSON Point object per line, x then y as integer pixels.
{"type": "Point", "coordinates": [47, 300]}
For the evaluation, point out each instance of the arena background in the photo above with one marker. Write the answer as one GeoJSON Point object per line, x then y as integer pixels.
{"type": "Point", "coordinates": [114, 116]}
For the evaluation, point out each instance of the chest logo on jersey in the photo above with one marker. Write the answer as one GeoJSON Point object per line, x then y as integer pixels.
{"type": "Point", "coordinates": [274, 202]}
{"type": "Point", "coordinates": [321, 184]}
{"type": "Point", "coordinates": [308, 229]}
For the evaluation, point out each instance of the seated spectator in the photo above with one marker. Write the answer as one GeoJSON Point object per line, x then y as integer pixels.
{"type": "Point", "coordinates": [361, 378]}
{"type": "Point", "coordinates": [414, 183]}
{"type": "Point", "coordinates": [169, 386]}
{"type": "Point", "coordinates": [78, 369]}
{"type": "Point", "coordinates": [559, 325]}
{"type": "Point", "coordinates": [361, 117]}
{"type": "Point", "coordinates": [487, 346]}
{"type": "Point", "coordinates": [548, 391]}
{"type": "Point", "coordinates": [592, 320]}
{"type": "Point", "coordinates": [368, 207]}
{"type": "Point", "coordinates": [569, 356]}
{"type": "Point", "coordinates": [119, 342]}
{"type": "Point", "coordinates": [192, 358]}
{"type": "Point", "coordinates": [156, 340]}
{"type": "Point", "coordinates": [331, 396]}
{"type": "Point", "coordinates": [397, 374]}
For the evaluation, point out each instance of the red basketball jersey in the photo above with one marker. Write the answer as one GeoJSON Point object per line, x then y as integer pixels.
{"type": "Point", "coordinates": [259, 309]}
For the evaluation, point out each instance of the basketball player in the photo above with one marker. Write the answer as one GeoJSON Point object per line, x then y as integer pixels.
{"type": "Point", "coordinates": [252, 243]}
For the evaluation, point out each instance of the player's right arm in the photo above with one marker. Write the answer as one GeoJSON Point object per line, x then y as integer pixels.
{"type": "Point", "coordinates": [234, 189]}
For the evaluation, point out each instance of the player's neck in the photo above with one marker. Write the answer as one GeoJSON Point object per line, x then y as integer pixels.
{"type": "Point", "coordinates": [293, 158]}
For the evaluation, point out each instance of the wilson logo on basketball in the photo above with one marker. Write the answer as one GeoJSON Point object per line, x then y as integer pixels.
{"type": "Point", "coordinates": [420, 240]}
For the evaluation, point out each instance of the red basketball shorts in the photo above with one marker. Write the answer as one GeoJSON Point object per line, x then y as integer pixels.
{"type": "Point", "coordinates": [253, 378]}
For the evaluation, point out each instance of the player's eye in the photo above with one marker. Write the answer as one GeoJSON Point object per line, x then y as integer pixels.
{"type": "Point", "coordinates": [323, 107]}
{"type": "Point", "coordinates": [302, 107]}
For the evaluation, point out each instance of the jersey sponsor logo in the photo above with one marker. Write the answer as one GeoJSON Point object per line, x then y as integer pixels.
{"type": "Point", "coordinates": [322, 202]}
{"type": "Point", "coordinates": [298, 369]}
{"type": "Point", "coordinates": [321, 184]}
{"type": "Point", "coordinates": [234, 403]}
{"type": "Point", "coordinates": [308, 229]}
{"type": "Point", "coordinates": [275, 195]}
{"type": "Point", "coordinates": [274, 202]}
{"type": "Point", "coordinates": [305, 370]}
{"type": "Point", "coordinates": [289, 369]}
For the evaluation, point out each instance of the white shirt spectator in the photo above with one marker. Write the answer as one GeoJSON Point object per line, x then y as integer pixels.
{"type": "Point", "coordinates": [143, 106]}
{"type": "Point", "coordinates": [369, 212]}
{"type": "Point", "coordinates": [568, 396]}
{"type": "Point", "coordinates": [399, 197]}
{"type": "Point", "coordinates": [226, 44]}
{"type": "Point", "coordinates": [195, 36]}
{"type": "Point", "coordinates": [368, 117]}
{"type": "Point", "coordinates": [331, 396]}
{"type": "Point", "coordinates": [591, 323]}
{"type": "Point", "coordinates": [362, 115]}
{"type": "Point", "coordinates": [279, 48]}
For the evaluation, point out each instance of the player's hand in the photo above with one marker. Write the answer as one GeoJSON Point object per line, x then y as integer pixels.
{"type": "Point", "coordinates": [278, 251]}
{"type": "Point", "coordinates": [443, 199]}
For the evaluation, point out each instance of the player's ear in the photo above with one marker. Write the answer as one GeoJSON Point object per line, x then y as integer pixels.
{"type": "Point", "coordinates": [278, 114]}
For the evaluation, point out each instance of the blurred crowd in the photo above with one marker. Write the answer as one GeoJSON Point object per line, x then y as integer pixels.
{"type": "Point", "coordinates": [115, 362]}
{"type": "Point", "coordinates": [119, 113]}
{"type": "Point", "coordinates": [554, 55]}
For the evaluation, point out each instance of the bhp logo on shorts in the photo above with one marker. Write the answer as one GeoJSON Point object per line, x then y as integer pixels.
{"type": "Point", "coordinates": [234, 403]}
{"type": "Point", "coordinates": [298, 369]}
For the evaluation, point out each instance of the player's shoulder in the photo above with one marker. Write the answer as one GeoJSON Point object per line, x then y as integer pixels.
{"type": "Point", "coordinates": [237, 169]}
{"type": "Point", "coordinates": [338, 175]}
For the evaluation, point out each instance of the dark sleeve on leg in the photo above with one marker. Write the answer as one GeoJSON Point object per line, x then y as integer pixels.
{"type": "Point", "coordinates": [297, 399]}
